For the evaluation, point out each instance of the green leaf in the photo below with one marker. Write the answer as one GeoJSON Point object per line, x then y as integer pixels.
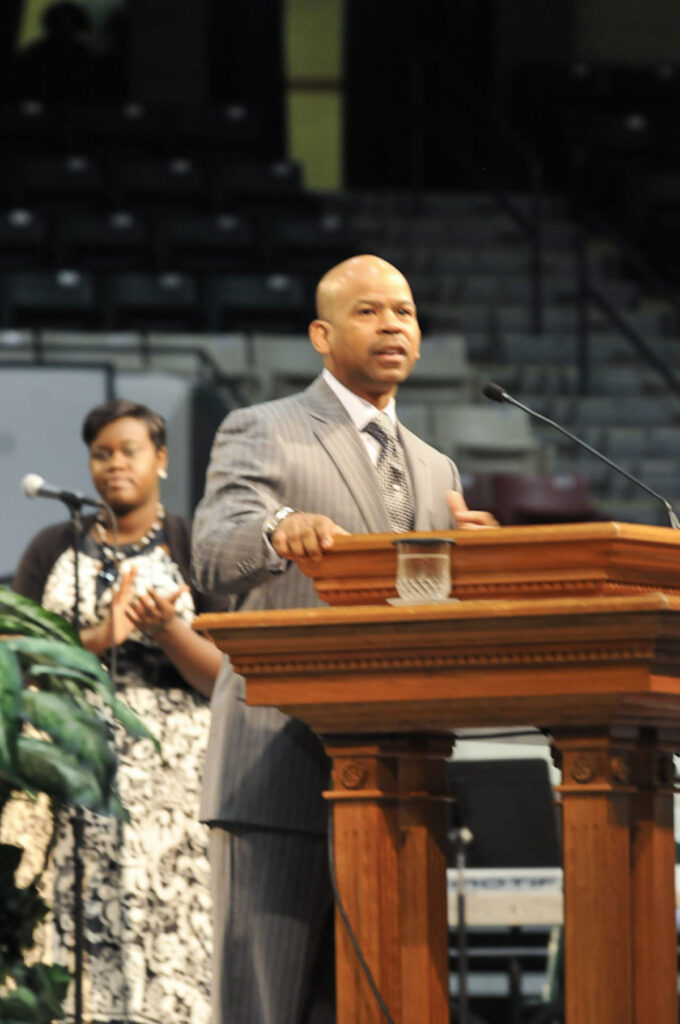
{"type": "Point", "coordinates": [20, 1005]}
{"type": "Point", "coordinates": [80, 732]}
{"type": "Point", "coordinates": [33, 613]}
{"type": "Point", "coordinates": [49, 982]}
{"type": "Point", "coordinates": [116, 808]}
{"type": "Point", "coordinates": [15, 624]}
{"type": "Point", "coordinates": [10, 706]}
{"type": "Point", "coordinates": [126, 717]}
{"type": "Point", "coordinates": [62, 680]}
{"type": "Point", "coordinates": [134, 725]}
{"type": "Point", "coordinates": [41, 670]}
{"type": "Point", "coordinates": [58, 654]}
{"type": "Point", "coordinates": [59, 774]}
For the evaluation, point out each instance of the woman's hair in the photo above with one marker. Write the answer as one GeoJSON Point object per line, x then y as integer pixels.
{"type": "Point", "coordinates": [116, 409]}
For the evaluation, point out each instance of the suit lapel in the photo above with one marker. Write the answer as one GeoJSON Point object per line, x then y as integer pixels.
{"type": "Point", "coordinates": [421, 479]}
{"type": "Point", "coordinates": [340, 439]}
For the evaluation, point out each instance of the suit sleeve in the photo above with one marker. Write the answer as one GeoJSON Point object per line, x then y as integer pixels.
{"type": "Point", "coordinates": [245, 485]}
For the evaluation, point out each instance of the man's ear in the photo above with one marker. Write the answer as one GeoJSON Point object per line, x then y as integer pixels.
{"type": "Point", "coordinates": [318, 335]}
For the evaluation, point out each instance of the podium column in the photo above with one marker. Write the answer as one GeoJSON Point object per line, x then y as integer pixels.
{"type": "Point", "coordinates": [389, 842]}
{"type": "Point", "coordinates": [619, 881]}
{"type": "Point", "coordinates": [653, 855]}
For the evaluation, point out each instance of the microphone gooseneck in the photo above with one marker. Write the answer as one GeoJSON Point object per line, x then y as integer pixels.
{"type": "Point", "coordinates": [498, 394]}
{"type": "Point", "coordinates": [34, 486]}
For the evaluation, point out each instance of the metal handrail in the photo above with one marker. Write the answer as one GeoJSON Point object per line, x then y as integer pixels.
{"type": "Point", "coordinates": [588, 293]}
{"type": "Point", "coordinates": [43, 353]}
{"type": "Point", "coordinates": [635, 261]}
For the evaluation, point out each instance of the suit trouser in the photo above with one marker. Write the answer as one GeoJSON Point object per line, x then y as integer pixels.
{"type": "Point", "coordinates": [273, 959]}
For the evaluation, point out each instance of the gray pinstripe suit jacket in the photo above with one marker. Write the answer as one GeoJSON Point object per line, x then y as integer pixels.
{"type": "Point", "coordinates": [263, 768]}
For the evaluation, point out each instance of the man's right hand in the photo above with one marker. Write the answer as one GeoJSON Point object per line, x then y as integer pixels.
{"type": "Point", "coordinates": [305, 535]}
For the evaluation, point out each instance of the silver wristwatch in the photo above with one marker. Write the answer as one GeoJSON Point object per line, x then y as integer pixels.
{"type": "Point", "coordinates": [275, 521]}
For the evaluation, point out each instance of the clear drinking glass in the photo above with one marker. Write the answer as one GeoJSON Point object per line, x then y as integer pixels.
{"type": "Point", "coordinates": [424, 570]}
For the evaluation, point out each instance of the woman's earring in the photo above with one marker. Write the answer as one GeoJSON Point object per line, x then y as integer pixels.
{"type": "Point", "coordinates": [163, 473]}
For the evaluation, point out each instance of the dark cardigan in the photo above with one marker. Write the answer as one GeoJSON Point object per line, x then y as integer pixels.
{"type": "Point", "coordinates": [47, 546]}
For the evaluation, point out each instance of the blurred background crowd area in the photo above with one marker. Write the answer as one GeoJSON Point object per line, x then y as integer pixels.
{"type": "Point", "coordinates": [175, 175]}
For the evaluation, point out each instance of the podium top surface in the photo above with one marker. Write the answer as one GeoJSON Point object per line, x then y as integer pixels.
{"type": "Point", "coordinates": [518, 561]}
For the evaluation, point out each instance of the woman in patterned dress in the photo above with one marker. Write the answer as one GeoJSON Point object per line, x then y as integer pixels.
{"type": "Point", "coordinates": [146, 894]}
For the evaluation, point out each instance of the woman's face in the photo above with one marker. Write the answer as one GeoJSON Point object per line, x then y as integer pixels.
{"type": "Point", "coordinates": [124, 464]}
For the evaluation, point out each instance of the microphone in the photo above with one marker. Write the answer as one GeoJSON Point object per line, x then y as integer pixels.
{"type": "Point", "coordinates": [498, 394]}
{"type": "Point", "coordinates": [34, 486]}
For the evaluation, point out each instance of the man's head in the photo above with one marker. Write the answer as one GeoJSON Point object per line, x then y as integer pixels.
{"type": "Point", "coordinates": [366, 327]}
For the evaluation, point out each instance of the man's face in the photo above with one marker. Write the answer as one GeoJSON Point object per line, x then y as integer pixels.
{"type": "Point", "coordinates": [372, 338]}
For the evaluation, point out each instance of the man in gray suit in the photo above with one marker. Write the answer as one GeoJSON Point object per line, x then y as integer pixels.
{"type": "Point", "coordinates": [285, 478]}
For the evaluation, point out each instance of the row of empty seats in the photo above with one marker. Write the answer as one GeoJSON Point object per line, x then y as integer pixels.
{"type": "Point", "coordinates": [609, 135]}
{"type": "Point", "coordinates": [118, 181]}
{"type": "Point", "coordinates": [30, 126]}
{"type": "Point", "coordinates": [241, 239]}
{"type": "Point", "coordinates": [129, 300]}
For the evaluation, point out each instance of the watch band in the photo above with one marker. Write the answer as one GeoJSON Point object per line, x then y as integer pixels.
{"type": "Point", "coordinates": [272, 524]}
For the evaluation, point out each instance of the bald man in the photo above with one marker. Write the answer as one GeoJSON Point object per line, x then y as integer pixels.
{"type": "Point", "coordinates": [285, 478]}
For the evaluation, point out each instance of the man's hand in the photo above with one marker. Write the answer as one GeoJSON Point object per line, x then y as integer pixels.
{"type": "Point", "coordinates": [305, 535]}
{"type": "Point", "coordinates": [465, 518]}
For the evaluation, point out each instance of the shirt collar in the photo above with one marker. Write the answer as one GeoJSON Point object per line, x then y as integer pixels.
{"type": "Point", "coordinates": [360, 410]}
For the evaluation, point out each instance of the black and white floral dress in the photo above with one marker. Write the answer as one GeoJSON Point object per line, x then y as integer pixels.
{"type": "Point", "coordinates": [147, 908]}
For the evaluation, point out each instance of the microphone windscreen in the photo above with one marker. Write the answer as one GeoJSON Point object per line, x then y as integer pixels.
{"type": "Point", "coordinates": [31, 484]}
{"type": "Point", "coordinates": [494, 391]}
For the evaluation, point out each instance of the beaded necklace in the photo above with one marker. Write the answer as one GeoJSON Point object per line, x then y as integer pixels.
{"type": "Point", "coordinates": [109, 556]}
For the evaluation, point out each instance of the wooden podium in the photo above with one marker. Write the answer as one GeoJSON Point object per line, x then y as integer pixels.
{"type": "Point", "coordinates": [574, 629]}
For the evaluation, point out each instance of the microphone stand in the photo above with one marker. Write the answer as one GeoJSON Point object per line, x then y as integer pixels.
{"type": "Point", "coordinates": [461, 838]}
{"type": "Point", "coordinates": [77, 821]}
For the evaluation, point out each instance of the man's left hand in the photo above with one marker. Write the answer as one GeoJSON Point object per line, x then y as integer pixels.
{"type": "Point", "coordinates": [465, 518]}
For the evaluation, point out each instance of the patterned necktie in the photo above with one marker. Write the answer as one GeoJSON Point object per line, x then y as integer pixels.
{"type": "Point", "coordinates": [392, 473]}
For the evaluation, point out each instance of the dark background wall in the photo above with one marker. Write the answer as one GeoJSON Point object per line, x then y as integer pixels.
{"type": "Point", "coordinates": [415, 80]}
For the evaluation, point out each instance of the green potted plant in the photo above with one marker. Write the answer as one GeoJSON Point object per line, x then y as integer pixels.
{"type": "Point", "coordinates": [55, 703]}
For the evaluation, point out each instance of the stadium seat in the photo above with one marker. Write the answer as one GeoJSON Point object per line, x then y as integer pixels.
{"type": "Point", "coordinates": [145, 300]}
{"type": "Point", "coordinates": [29, 126]}
{"type": "Point", "coordinates": [47, 298]}
{"type": "Point", "coordinates": [95, 240]}
{"type": "Point", "coordinates": [285, 363]}
{"type": "Point", "coordinates": [49, 180]}
{"type": "Point", "coordinates": [256, 302]}
{"type": "Point", "coordinates": [23, 240]}
{"type": "Point", "coordinates": [307, 245]}
{"type": "Point", "coordinates": [178, 182]}
{"type": "Point", "coordinates": [205, 241]}
{"type": "Point", "coordinates": [485, 439]}
{"type": "Point", "coordinates": [231, 128]}
{"type": "Point", "coordinates": [113, 128]}
{"type": "Point", "coordinates": [531, 498]}
{"type": "Point", "coordinates": [263, 180]}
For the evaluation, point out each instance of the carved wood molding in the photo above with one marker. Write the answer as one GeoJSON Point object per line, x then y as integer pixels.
{"type": "Point", "coordinates": [305, 665]}
{"type": "Point", "coordinates": [338, 596]}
